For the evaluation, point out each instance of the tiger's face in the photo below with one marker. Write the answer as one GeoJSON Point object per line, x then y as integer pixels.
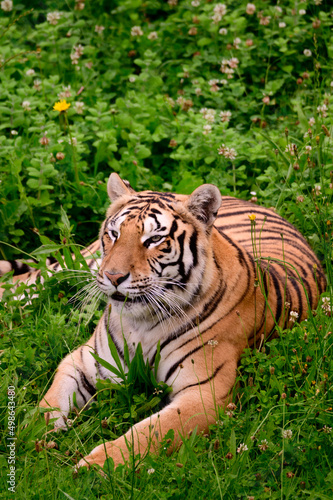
{"type": "Point", "coordinates": [154, 252]}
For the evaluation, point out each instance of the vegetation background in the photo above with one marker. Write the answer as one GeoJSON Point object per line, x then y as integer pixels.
{"type": "Point", "coordinates": [169, 94]}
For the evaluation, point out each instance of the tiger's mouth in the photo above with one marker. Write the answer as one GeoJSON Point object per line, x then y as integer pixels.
{"type": "Point", "coordinates": [119, 297]}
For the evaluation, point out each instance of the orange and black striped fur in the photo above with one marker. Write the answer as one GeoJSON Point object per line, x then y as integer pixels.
{"type": "Point", "coordinates": [201, 282]}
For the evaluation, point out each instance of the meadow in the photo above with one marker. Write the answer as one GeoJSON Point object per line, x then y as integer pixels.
{"type": "Point", "coordinates": [169, 94]}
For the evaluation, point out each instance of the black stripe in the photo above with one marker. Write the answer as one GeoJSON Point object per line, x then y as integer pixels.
{"type": "Point", "coordinates": [200, 383]}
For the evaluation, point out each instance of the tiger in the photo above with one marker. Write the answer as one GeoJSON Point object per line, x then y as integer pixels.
{"type": "Point", "coordinates": [200, 277]}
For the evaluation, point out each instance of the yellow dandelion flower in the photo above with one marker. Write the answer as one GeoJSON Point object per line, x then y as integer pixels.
{"type": "Point", "coordinates": [61, 106]}
{"type": "Point", "coordinates": [252, 216]}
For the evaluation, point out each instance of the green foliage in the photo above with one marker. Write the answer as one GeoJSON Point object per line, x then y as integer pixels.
{"type": "Point", "coordinates": [243, 101]}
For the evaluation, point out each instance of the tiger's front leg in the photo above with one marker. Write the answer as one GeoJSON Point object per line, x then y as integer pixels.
{"type": "Point", "coordinates": [77, 373]}
{"type": "Point", "coordinates": [195, 407]}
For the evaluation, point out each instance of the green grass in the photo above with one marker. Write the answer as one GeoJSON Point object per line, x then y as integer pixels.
{"type": "Point", "coordinates": [142, 117]}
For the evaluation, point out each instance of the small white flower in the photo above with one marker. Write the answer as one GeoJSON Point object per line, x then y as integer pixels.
{"type": "Point", "coordinates": [223, 31]}
{"type": "Point", "coordinates": [207, 129]}
{"type": "Point", "coordinates": [219, 422]}
{"type": "Point", "coordinates": [153, 35]}
{"type": "Point", "coordinates": [307, 52]}
{"type": "Point", "coordinates": [132, 79]}
{"type": "Point", "coordinates": [331, 84]}
{"type": "Point", "coordinates": [198, 91]}
{"type": "Point", "coordinates": [14, 132]}
{"type": "Point", "coordinates": [242, 447]}
{"type": "Point", "coordinates": [282, 24]}
{"type": "Point", "coordinates": [322, 110]}
{"type": "Point", "coordinates": [53, 17]}
{"type": "Point", "coordinates": [263, 446]}
{"type": "Point", "coordinates": [195, 3]}
{"type": "Point", "coordinates": [278, 9]}
{"type": "Point", "coordinates": [136, 31]}
{"type": "Point", "coordinates": [253, 193]}
{"type": "Point", "coordinates": [150, 471]}
{"type": "Point", "coordinates": [7, 5]}
{"type": "Point", "coordinates": [225, 116]}
{"type": "Point", "coordinates": [287, 434]}
{"type": "Point", "coordinates": [250, 9]}
{"type": "Point", "coordinates": [237, 42]}
{"type": "Point", "coordinates": [79, 107]}
{"type": "Point", "coordinates": [26, 105]}
{"type": "Point", "coordinates": [312, 121]}
{"type": "Point", "coordinates": [308, 149]}
{"type": "Point", "coordinates": [213, 343]}
{"type": "Point", "coordinates": [30, 72]}
{"type": "Point", "coordinates": [99, 29]}
{"type": "Point", "coordinates": [327, 430]}
{"type": "Point", "coordinates": [302, 12]}
{"type": "Point", "coordinates": [293, 316]}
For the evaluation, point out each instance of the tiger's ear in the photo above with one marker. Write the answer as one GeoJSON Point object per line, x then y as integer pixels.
{"type": "Point", "coordinates": [118, 187]}
{"type": "Point", "coordinates": [204, 203]}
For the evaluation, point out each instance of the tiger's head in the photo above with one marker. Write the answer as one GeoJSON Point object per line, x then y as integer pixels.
{"type": "Point", "coordinates": [155, 248]}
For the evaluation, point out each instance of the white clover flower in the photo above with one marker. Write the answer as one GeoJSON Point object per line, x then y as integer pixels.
{"type": "Point", "coordinates": [223, 31]}
{"type": "Point", "coordinates": [30, 72]}
{"type": "Point", "coordinates": [208, 114]}
{"type": "Point", "coordinates": [322, 110]}
{"type": "Point", "coordinates": [242, 447]}
{"type": "Point", "coordinates": [79, 107]}
{"type": "Point", "coordinates": [265, 20]}
{"type": "Point", "coordinates": [153, 35]}
{"type": "Point", "coordinates": [26, 106]}
{"type": "Point", "coordinates": [308, 149]}
{"type": "Point", "coordinates": [212, 342]}
{"type": "Point", "coordinates": [14, 132]}
{"type": "Point", "coordinates": [224, 82]}
{"type": "Point", "coordinates": [250, 9]}
{"type": "Point", "coordinates": [198, 91]}
{"type": "Point", "coordinates": [282, 24]}
{"type": "Point", "coordinates": [150, 471]}
{"type": "Point", "coordinates": [99, 29]}
{"type": "Point", "coordinates": [293, 316]}
{"type": "Point", "coordinates": [132, 79]}
{"type": "Point", "coordinates": [312, 121]}
{"type": "Point", "coordinates": [307, 52]}
{"type": "Point", "coordinates": [53, 17]}
{"type": "Point", "coordinates": [195, 3]}
{"type": "Point", "coordinates": [229, 153]}
{"type": "Point", "coordinates": [237, 42]}
{"type": "Point", "coordinates": [233, 62]}
{"type": "Point", "coordinates": [287, 434]}
{"type": "Point", "coordinates": [136, 31]}
{"type": "Point", "coordinates": [7, 5]}
{"type": "Point", "coordinates": [225, 116]}
{"type": "Point", "coordinates": [253, 193]}
{"type": "Point", "coordinates": [302, 12]}
{"type": "Point", "coordinates": [66, 93]}
{"type": "Point", "coordinates": [278, 9]}
{"type": "Point", "coordinates": [172, 3]}
{"type": "Point", "coordinates": [263, 446]}
{"type": "Point", "coordinates": [207, 129]}
{"type": "Point", "coordinates": [327, 430]}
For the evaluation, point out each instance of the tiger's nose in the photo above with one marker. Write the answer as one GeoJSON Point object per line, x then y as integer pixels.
{"type": "Point", "coordinates": [117, 279]}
